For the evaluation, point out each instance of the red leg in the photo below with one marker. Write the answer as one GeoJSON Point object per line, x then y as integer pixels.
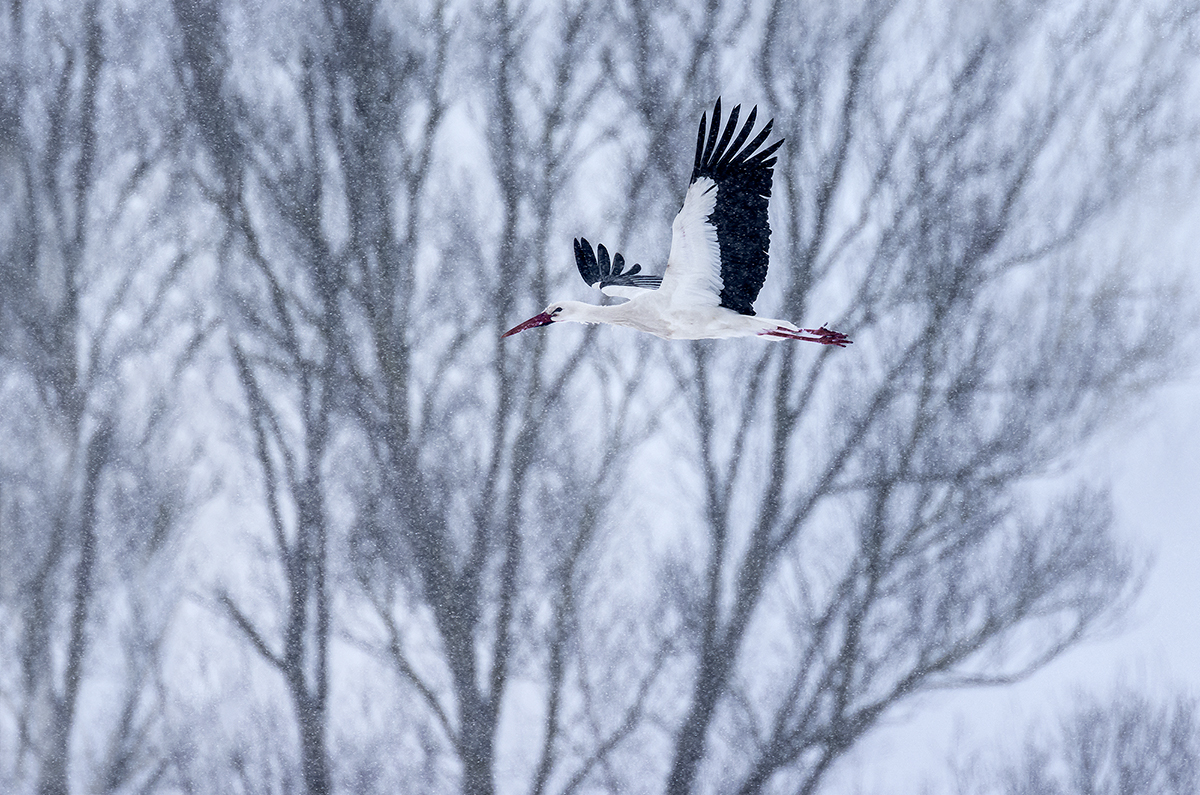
{"type": "Point", "coordinates": [829, 337]}
{"type": "Point", "coordinates": [822, 335]}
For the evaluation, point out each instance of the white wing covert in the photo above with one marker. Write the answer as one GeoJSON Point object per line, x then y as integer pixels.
{"type": "Point", "coordinates": [693, 275]}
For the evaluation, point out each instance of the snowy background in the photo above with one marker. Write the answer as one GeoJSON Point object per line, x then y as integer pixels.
{"type": "Point", "coordinates": [280, 512]}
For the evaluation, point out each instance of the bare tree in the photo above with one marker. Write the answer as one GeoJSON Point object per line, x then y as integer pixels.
{"type": "Point", "coordinates": [342, 326]}
{"type": "Point", "coordinates": [932, 488]}
{"type": "Point", "coordinates": [43, 335]}
{"type": "Point", "coordinates": [862, 521]}
{"type": "Point", "coordinates": [527, 512]}
{"type": "Point", "coordinates": [1125, 742]}
{"type": "Point", "coordinates": [86, 504]}
{"type": "Point", "coordinates": [287, 347]}
{"type": "Point", "coordinates": [395, 187]}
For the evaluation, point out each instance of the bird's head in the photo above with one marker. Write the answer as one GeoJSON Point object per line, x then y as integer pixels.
{"type": "Point", "coordinates": [555, 313]}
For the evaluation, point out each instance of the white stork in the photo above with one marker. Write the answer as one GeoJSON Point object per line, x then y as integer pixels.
{"type": "Point", "coordinates": [718, 258]}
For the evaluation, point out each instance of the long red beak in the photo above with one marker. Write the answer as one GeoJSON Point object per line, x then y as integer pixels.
{"type": "Point", "coordinates": [533, 322]}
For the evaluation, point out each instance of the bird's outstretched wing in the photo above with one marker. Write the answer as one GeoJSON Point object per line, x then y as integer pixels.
{"type": "Point", "coordinates": [610, 276]}
{"type": "Point", "coordinates": [720, 238]}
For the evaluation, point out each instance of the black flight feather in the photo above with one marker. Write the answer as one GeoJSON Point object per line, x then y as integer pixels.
{"type": "Point", "coordinates": [603, 272]}
{"type": "Point", "coordinates": [743, 178]}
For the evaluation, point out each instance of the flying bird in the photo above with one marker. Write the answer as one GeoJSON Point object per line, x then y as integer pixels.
{"type": "Point", "coordinates": [718, 258]}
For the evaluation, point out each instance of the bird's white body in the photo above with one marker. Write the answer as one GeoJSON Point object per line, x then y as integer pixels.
{"type": "Point", "coordinates": [654, 315]}
{"type": "Point", "coordinates": [718, 258]}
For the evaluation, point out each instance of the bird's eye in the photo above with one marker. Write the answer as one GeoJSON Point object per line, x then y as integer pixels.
{"type": "Point", "coordinates": [556, 310]}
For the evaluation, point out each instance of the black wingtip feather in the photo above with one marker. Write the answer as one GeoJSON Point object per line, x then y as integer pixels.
{"type": "Point", "coordinates": [605, 271]}
{"type": "Point", "coordinates": [747, 128]}
{"type": "Point", "coordinates": [758, 139]}
{"type": "Point", "coordinates": [730, 128]}
{"type": "Point", "coordinates": [743, 175]}
{"type": "Point", "coordinates": [713, 130]}
{"type": "Point", "coordinates": [618, 266]}
{"type": "Point", "coordinates": [699, 148]}
{"type": "Point", "coordinates": [585, 261]}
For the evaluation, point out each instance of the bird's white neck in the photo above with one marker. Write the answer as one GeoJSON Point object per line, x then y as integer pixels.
{"type": "Point", "coordinates": [638, 313]}
{"type": "Point", "coordinates": [579, 312]}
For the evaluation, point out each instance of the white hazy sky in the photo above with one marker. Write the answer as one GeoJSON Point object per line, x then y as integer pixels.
{"type": "Point", "coordinates": [1152, 460]}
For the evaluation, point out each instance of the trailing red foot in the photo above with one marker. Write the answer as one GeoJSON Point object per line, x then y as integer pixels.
{"type": "Point", "coordinates": [820, 335]}
{"type": "Point", "coordinates": [829, 337]}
